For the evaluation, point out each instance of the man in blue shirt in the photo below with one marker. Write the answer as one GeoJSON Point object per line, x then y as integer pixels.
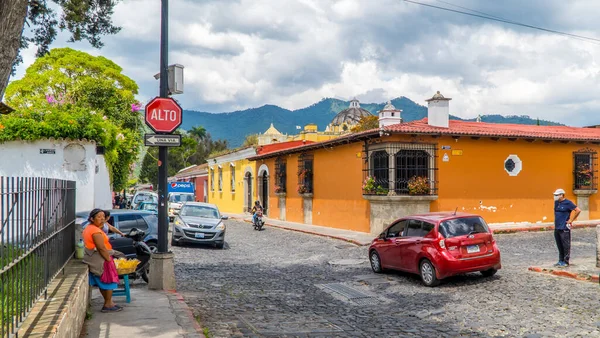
{"type": "Point", "coordinates": [565, 213]}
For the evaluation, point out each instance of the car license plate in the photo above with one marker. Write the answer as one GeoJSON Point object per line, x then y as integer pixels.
{"type": "Point", "coordinates": [472, 248]}
{"type": "Point", "coordinates": [201, 235]}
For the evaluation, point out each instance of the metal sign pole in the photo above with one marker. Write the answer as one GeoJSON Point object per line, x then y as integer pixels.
{"type": "Point", "coordinates": [163, 226]}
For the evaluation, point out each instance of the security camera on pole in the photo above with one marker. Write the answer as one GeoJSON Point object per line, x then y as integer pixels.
{"type": "Point", "coordinates": [164, 115]}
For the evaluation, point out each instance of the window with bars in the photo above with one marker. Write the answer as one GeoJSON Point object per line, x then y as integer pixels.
{"type": "Point", "coordinates": [305, 174]}
{"type": "Point", "coordinates": [232, 178]}
{"type": "Point", "coordinates": [400, 169]}
{"type": "Point", "coordinates": [280, 175]}
{"type": "Point", "coordinates": [585, 169]}
{"type": "Point", "coordinates": [220, 179]}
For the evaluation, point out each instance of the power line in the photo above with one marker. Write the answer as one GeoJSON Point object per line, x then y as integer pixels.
{"type": "Point", "coordinates": [494, 18]}
{"type": "Point", "coordinates": [472, 10]}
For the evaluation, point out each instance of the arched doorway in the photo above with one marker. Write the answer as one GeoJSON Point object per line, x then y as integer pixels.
{"type": "Point", "coordinates": [249, 201]}
{"type": "Point", "coordinates": [265, 192]}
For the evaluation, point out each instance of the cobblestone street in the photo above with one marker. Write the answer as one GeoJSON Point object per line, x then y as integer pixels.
{"type": "Point", "coordinates": [277, 283]}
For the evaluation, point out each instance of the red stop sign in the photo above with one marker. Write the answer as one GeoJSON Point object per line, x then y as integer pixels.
{"type": "Point", "coordinates": [163, 115]}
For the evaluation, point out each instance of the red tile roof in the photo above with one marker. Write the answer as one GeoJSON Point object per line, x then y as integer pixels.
{"type": "Point", "coordinates": [269, 148]}
{"type": "Point", "coordinates": [482, 129]}
{"type": "Point", "coordinates": [457, 128]}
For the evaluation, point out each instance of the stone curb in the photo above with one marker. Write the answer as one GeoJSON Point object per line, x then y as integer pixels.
{"type": "Point", "coordinates": [540, 228]}
{"type": "Point", "coordinates": [355, 242]}
{"type": "Point", "coordinates": [562, 273]}
{"type": "Point", "coordinates": [182, 309]}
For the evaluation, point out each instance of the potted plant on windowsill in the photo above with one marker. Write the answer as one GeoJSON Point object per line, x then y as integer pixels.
{"type": "Point", "coordinates": [369, 186]}
{"type": "Point", "coordinates": [279, 191]}
{"type": "Point", "coordinates": [584, 176]}
{"type": "Point", "coordinates": [418, 185]}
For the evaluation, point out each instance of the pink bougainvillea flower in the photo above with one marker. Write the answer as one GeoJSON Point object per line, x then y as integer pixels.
{"type": "Point", "coordinates": [136, 107]}
{"type": "Point", "coordinates": [50, 99]}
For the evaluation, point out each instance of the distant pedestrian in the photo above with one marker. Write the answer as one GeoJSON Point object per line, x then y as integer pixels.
{"type": "Point", "coordinates": [565, 213]}
{"type": "Point", "coordinates": [117, 203]}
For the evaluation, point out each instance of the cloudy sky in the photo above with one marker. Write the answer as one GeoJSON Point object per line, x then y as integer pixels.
{"type": "Point", "coordinates": [245, 53]}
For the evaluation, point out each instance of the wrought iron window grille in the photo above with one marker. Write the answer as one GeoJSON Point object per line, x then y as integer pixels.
{"type": "Point", "coordinates": [220, 179]}
{"type": "Point", "coordinates": [399, 169]}
{"type": "Point", "coordinates": [232, 179]}
{"type": "Point", "coordinates": [305, 173]}
{"type": "Point", "coordinates": [280, 175]}
{"type": "Point", "coordinates": [585, 169]}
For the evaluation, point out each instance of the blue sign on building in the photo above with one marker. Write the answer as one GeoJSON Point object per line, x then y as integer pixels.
{"type": "Point", "coordinates": [182, 187]}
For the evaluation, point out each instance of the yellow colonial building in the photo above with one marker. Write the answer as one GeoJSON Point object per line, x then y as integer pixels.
{"type": "Point", "coordinates": [230, 180]}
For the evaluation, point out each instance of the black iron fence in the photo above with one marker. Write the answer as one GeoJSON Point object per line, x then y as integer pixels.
{"type": "Point", "coordinates": [400, 169]}
{"type": "Point", "coordinates": [37, 239]}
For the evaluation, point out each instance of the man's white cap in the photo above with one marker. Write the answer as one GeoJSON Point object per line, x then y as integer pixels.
{"type": "Point", "coordinates": [559, 192]}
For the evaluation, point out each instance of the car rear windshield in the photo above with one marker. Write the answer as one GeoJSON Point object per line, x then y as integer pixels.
{"type": "Point", "coordinates": [463, 227]}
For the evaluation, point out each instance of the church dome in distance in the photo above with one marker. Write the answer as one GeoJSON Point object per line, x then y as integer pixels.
{"type": "Point", "coordinates": [351, 115]}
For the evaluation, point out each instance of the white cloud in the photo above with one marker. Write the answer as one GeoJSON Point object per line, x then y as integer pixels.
{"type": "Point", "coordinates": [246, 53]}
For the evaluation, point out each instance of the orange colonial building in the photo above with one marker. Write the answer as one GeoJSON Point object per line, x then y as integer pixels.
{"type": "Point", "coordinates": [505, 172]}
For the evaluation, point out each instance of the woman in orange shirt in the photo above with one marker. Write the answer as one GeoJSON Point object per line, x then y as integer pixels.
{"type": "Point", "coordinates": [95, 238]}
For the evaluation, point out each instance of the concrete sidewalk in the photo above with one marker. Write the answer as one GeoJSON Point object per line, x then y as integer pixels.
{"type": "Point", "coordinates": [363, 238]}
{"type": "Point", "coordinates": [150, 314]}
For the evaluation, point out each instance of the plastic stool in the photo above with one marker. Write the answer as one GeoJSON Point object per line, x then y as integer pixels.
{"type": "Point", "coordinates": [124, 292]}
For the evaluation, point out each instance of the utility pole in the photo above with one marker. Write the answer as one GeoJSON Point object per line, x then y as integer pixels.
{"type": "Point", "coordinates": [163, 205]}
{"type": "Point", "coordinates": [162, 271]}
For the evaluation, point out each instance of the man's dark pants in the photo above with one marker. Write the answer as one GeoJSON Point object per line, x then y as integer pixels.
{"type": "Point", "coordinates": [563, 242]}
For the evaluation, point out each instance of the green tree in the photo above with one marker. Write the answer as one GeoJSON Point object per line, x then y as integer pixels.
{"type": "Point", "coordinates": [191, 152]}
{"type": "Point", "coordinates": [251, 140]}
{"type": "Point", "coordinates": [366, 123]}
{"type": "Point", "coordinates": [67, 80]}
{"type": "Point", "coordinates": [83, 19]}
{"type": "Point", "coordinates": [198, 132]}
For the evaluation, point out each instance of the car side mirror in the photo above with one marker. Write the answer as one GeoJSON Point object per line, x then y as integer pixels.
{"type": "Point", "coordinates": [224, 218]}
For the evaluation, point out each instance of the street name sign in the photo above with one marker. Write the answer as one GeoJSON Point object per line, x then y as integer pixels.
{"type": "Point", "coordinates": [163, 115]}
{"type": "Point", "coordinates": [157, 140]}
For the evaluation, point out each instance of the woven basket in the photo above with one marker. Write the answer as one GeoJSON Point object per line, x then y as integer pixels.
{"type": "Point", "coordinates": [121, 271]}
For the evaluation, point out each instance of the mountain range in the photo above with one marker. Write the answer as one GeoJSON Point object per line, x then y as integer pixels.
{"type": "Point", "coordinates": [234, 126]}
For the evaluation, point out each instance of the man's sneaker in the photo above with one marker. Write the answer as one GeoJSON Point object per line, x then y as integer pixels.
{"type": "Point", "coordinates": [558, 264]}
{"type": "Point", "coordinates": [562, 264]}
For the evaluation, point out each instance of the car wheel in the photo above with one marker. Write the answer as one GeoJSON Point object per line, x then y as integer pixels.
{"type": "Point", "coordinates": [375, 262]}
{"type": "Point", "coordinates": [153, 246]}
{"type": "Point", "coordinates": [174, 243]}
{"type": "Point", "coordinates": [489, 273]}
{"type": "Point", "coordinates": [428, 273]}
{"type": "Point", "coordinates": [220, 245]}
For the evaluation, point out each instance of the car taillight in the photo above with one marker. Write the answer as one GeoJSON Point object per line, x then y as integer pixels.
{"type": "Point", "coordinates": [442, 244]}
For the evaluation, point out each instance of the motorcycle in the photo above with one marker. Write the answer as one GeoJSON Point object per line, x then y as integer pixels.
{"type": "Point", "coordinates": [258, 221]}
{"type": "Point", "coordinates": [133, 246]}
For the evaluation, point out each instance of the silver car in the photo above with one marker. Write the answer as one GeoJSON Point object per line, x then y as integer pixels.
{"type": "Point", "coordinates": [200, 223]}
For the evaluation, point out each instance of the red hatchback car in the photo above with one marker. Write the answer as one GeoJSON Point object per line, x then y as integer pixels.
{"type": "Point", "coordinates": [436, 246]}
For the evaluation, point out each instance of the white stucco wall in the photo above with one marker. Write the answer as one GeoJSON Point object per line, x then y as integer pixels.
{"type": "Point", "coordinates": [102, 193]}
{"type": "Point", "coordinates": [72, 160]}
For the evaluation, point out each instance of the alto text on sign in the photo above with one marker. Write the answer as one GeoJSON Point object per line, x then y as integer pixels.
{"type": "Point", "coordinates": [163, 115]}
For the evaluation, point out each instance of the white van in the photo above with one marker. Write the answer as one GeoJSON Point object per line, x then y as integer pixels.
{"type": "Point", "coordinates": [143, 196]}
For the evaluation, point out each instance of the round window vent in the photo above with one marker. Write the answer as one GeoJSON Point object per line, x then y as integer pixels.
{"type": "Point", "coordinates": [513, 165]}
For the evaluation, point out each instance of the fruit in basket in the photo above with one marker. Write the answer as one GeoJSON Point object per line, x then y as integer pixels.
{"type": "Point", "coordinates": [126, 264]}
